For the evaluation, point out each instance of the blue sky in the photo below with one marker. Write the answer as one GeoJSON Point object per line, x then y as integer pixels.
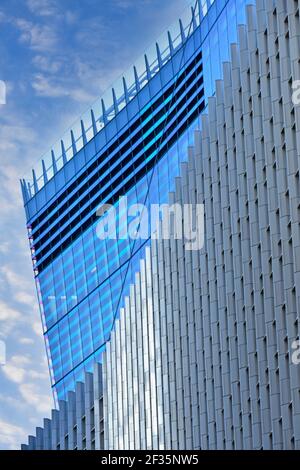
{"type": "Point", "coordinates": [56, 58]}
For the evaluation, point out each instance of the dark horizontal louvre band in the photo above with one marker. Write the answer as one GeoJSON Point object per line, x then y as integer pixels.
{"type": "Point", "coordinates": [104, 181]}
{"type": "Point", "coordinates": [199, 98]}
{"type": "Point", "coordinates": [118, 142]}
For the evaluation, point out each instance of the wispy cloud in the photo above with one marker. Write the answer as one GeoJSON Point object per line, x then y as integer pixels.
{"type": "Point", "coordinates": [7, 313]}
{"type": "Point", "coordinates": [51, 88]}
{"type": "Point", "coordinates": [26, 341]}
{"type": "Point", "coordinates": [32, 395]}
{"type": "Point", "coordinates": [45, 64]}
{"type": "Point", "coordinates": [39, 37]}
{"type": "Point", "coordinates": [125, 4]}
{"type": "Point", "coordinates": [11, 434]}
{"type": "Point", "coordinates": [37, 328]}
{"type": "Point", "coordinates": [42, 7]}
{"type": "Point", "coordinates": [15, 370]}
{"type": "Point", "coordinates": [18, 285]}
{"type": "Point", "coordinates": [24, 371]}
{"type": "Point", "coordinates": [9, 317]}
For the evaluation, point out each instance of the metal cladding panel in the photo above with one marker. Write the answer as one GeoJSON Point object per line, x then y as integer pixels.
{"type": "Point", "coordinates": [209, 333]}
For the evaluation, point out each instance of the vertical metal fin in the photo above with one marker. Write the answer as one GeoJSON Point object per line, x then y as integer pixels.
{"type": "Point", "coordinates": [193, 10]}
{"type": "Point", "coordinates": [35, 185]}
{"type": "Point", "coordinates": [137, 81]}
{"type": "Point", "coordinates": [171, 47]}
{"type": "Point", "coordinates": [105, 120]}
{"type": "Point", "coordinates": [63, 152]}
{"type": "Point", "coordinates": [74, 149]}
{"type": "Point", "coordinates": [44, 172]}
{"type": "Point", "coordinates": [148, 70]}
{"type": "Point", "coordinates": [115, 101]}
{"type": "Point", "coordinates": [125, 91]}
{"type": "Point", "coordinates": [159, 59]}
{"type": "Point", "coordinates": [182, 33]}
{"type": "Point", "coordinates": [94, 124]}
{"type": "Point", "coordinates": [24, 191]}
{"type": "Point", "coordinates": [84, 139]}
{"type": "Point", "coordinates": [54, 166]}
{"type": "Point", "coordinates": [200, 10]}
{"type": "Point", "coordinates": [29, 190]}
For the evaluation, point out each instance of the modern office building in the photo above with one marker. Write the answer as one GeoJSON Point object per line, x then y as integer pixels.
{"type": "Point", "coordinates": [132, 143]}
{"type": "Point", "coordinates": [201, 349]}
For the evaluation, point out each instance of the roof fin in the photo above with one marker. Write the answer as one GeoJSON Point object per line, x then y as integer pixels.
{"type": "Point", "coordinates": [95, 131]}
{"type": "Point", "coordinates": [193, 9]}
{"type": "Point", "coordinates": [137, 81]}
{"type": "Point", "coordinates": [24, 190]}
{"type": "Point", "coordinates": [74, 149]}
{"type": "Point", "coordinates": [84, 139]}
{"type": "Point", "coordinates": [29, 190]}
{"type": "Point", "coordinates": [170, 43]}
{"type": "Point", "coordinates": [35, 185]}
{"type": "Point", "coordinates": [116, 108]}
{"type": "Point", "coordinates": [63, 152]}
{"type": "Point", "coordinates": [148, 70]}
{"type": "Point", "coordinates": [54, 166]}
{"type": "Point", "coordinates": [125, 90]}
{"type": "Point", "coordinates": [44, 172]}
{"type": "Point", "coordinates": [105, 120]}
{"type": "Point", "coordinates": [159, 59]}
{"type": "Point", "coordinates": [182, 33]}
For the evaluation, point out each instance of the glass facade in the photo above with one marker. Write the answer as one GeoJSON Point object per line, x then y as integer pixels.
{"type": "Point", "coordinates": [134, 148]}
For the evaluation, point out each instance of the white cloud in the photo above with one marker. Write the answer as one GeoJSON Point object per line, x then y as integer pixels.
{"type": "Point", "coordinates": [52, 88]}
{"type": "Point", "coordinates": [26, 341]}
{"type": "Point", "coordinates": [21, 360]}
{"type": "Point", "coordinates": [19, 285]}
{"type": "Point", "coordinates": [27, 299]}
{"type": "Point", "coordinates": [42, 7]}
{"type": "Point", "coordinates": [39, 37]}
{"type": "Point", "coordinates": [4, 247]}
{"type": "Point", "coordinates": [10, 435]}
{"type": "Point", "coordinates": [15, 137]}
{"type": "Point", "coordinates": [15, 369]}
{"type": "Point", "coordinates": [8, 313]}
{"type": "Point", "coordinates": [37, 328]}
{"type": "Point", "coordinates": [30, 393]}
{"type": "Point", "coordinates": [19, 367]}
{"type": "Point", "coordinates": [47, 65]}
{"type": "Point", "coordinates": [13, 402]}
{"type": "Point", "coordinates": [39, 375]}
{"type": "Point", "coordinates": [14, 373]}
{"type": "Point", "coordinates": [47, 88]}
{"type": "Point", "coordinates": [125, 4]}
